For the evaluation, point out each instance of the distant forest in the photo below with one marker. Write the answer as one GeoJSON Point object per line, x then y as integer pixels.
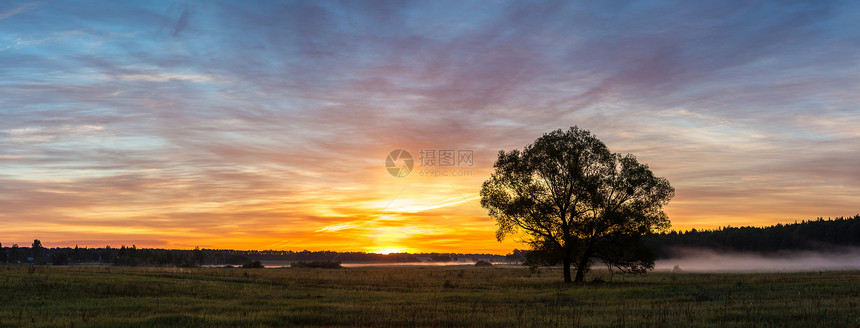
{"type": "Point", "coordinates": [133, 256]}
{"type": "Point", "coordinates": [818, 235]}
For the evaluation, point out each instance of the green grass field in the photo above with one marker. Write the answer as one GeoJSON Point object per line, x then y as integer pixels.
{"type": "Point", "coordinates": [419, 296]}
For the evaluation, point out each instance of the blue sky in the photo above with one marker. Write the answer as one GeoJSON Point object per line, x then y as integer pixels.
{"type": "Point", "coordinates": [218, 123]}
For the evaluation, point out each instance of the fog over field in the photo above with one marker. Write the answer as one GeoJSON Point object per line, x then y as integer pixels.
{"type": "Point", "coordinates": [706, 260]}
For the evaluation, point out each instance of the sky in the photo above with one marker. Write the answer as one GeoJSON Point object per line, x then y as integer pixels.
{"type": "Point", "coordinates": [266, 124]}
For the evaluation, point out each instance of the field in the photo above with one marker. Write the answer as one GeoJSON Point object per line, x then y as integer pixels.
{"type": "Point", "coordinates": [419, 296]}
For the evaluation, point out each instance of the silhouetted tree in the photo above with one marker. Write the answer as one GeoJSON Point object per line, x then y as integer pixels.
{"type": "Point", "coordinates": [126, 256]}
{"type": "Point", "coordinates": [37, 251]}
{"type": "Point", "coordinates": [60, 258]}
{"type": "Point", "coordinates": [440, 258]}
{"type": "Point", "coordinates": [577, 202]}
{"type": "Point", "coordinates": [199, 256]}
{"type": "Point", "coordinates": [76, 255]}
{"type": "Point", "coordinates": [14, 254]}
{"type": "Point", "coordinates": [515, 256]}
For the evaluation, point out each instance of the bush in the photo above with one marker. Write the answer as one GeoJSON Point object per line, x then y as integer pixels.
{"type": "Point", "coordinates": [253, 265]}
{"type": "Point", "coordinates": [483, 263]}
{"type": "Point", "coordinates": [317, 264]}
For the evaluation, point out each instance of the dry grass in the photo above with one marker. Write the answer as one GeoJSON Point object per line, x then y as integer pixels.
{"type": "Point", "coordinates": [419, 296]}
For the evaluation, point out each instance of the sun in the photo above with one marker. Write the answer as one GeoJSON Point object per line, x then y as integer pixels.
{"type": "Point", "coordinates": [389, 250]}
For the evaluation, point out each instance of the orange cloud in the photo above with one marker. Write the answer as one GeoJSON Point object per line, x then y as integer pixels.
{"type": "Point", "coordinates": [253, 127]}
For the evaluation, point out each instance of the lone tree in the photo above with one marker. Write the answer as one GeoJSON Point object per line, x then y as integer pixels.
{"type": "Point", "coordinates": [37, 250]}
{"type": "Point", "coordinates": [576, 202]}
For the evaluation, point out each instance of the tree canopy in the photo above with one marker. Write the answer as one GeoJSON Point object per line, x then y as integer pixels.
{"type": "Point", "coordinates": [576, 202]}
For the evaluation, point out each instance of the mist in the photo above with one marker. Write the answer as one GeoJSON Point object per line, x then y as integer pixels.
{"type": "Point", "coordinates": [707, 260]}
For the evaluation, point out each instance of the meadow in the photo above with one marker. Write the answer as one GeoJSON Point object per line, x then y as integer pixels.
{"type": "Point", "coordinates": [449, 296]}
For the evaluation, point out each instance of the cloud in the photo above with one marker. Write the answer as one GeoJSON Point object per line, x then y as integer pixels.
{"type": "Point", "coordinates": [4, 14]}
{"type": "Point", "coordinates": [245, 120]}
{"type": "Point", "coordinates": [182, 22]}
{"type": "Point", "coordinates": [165, 77]}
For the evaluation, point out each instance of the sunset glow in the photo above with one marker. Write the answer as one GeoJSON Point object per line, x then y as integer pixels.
{"type": "Point", "coordinates": [267, 126]}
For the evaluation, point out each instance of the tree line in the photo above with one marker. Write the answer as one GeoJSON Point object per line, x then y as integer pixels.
{"type": "Point", "coordinates": [133, 256]}
{"type": "Point", "coordinates": [819, 234]}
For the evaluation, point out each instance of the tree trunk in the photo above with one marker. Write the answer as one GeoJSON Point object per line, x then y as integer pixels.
{"type": "Point", "coordinates": [581, 268]}
{"type": "Point", "coordinates": [580, 274]}
{"type": "Point", "coordinates": [566, 263]}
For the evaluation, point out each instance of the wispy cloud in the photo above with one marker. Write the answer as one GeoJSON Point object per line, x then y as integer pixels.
{"type": "Point", "coordinates": [165, 77]}
{"type": "Point", "coordinates": [265, 125]}
{"type": "Point", "coordinates": [6, 13]}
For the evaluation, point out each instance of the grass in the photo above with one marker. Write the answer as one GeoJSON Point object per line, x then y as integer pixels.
{"type": "Point", "coordinates": [419, 296]}
{"type": "Point", "coordinates": [316, 264]}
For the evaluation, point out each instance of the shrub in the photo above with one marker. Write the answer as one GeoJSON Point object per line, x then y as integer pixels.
{"type": "Point", "coordinates": [253, 265]}
{"type": "Point", "coordinates": [483, 263]}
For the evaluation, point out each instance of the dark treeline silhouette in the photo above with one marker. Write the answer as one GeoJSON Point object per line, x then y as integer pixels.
{"type": "Point", "coordinates": [819, 235]}
{"type": "Point", "coordinates": [133, 256]}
